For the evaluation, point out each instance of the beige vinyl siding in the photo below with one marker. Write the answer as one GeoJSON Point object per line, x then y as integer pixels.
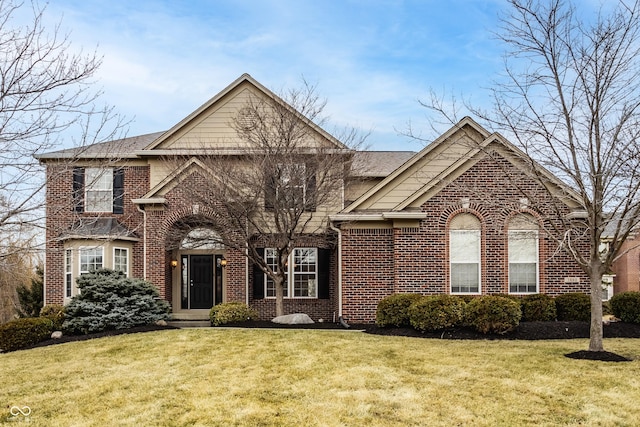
{"type": "Point", "coordinates": [425, 171]}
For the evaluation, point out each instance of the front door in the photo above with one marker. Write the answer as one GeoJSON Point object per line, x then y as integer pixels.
{"type": "Point", "coordinates": [201, 281]}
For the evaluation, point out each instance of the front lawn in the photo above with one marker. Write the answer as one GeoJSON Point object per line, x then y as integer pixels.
{"type": "Point", "coordinates": [260, 377]}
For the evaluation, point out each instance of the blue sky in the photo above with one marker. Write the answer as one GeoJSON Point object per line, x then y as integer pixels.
{"type": "Point", "coordinates": [372, 60]}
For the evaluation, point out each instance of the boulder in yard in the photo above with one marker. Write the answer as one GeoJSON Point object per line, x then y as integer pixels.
{"type": "Point", "coordinates": [293, 319]}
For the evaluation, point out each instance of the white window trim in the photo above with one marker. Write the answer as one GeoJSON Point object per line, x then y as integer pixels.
{"type": "Point", "coordinates": [290, 276]}
{"type": "Point", "coordinates": [479, 292]}
{"type": "Point", "coordinates": [68, 274]}
{"type": "Point", "coordinates": [537, 262]}
{"type": "Point", "coordinates": [85, 248]}
{"type": "Point", "coordinates": [116, 248]}
{"type": "Point", "coordinates": [89, 187]}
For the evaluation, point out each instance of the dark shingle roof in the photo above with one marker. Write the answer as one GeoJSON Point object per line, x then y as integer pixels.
{"type": "Point", "coordinates": [103, 228]}
{"type": "Point", "coordinates": [371, 164]}
{"type": "Point", "coordinates": [124, 147]}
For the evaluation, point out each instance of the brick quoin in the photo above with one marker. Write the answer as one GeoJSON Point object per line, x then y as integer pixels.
{"type": "Point", "coordinates": [382, 262]}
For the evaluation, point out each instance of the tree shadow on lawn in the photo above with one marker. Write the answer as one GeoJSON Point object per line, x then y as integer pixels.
{"type": "Point", "coordinates": [525, 331]}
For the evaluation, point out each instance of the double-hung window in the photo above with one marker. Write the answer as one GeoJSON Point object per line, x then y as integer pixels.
{"type": "Point", "coordinates": [291, 186]}
{"type": "Point", "coordinates": [121, 260]}
{"type": "Point", "coordinates": [68, 273]}
{"type": "Point", "coordinates": [292, 189]}
{"type": "Point", "coordinates": [98, 189]}
{"type": "Point", "coordinates": [301, 276]}
{"type": "Point", "coordinates": [91, 259]}
{"type": "Point", "coordinates": [523, 255]}
{"type": "Point", "coordinates": [464, 254]}
{"type": "Point", "coordinates": [271, 258]}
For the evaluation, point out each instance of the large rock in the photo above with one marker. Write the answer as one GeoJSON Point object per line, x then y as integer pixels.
{"type": "Point", "coordinates": [56, 335]}
{"type": "Point", "coordinates": [293, 319]}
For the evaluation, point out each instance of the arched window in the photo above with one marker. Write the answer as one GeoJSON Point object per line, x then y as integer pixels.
{"type": "Point", "coordinates": [464, 254]}
{"type": "Point", "coordinates": [523, 255]}
{"type": "Point", "coordinates": [202, 238]}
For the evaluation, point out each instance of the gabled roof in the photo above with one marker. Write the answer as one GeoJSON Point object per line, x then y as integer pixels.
{"type": "Point", "coordinates": [208, 107]}
{"type": "Point", "coordinates": [156, 194]}
{"type": "Point", "coordinates": [448, 156]}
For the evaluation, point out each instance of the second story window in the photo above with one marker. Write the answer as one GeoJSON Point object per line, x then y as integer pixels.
{"type": "Point", "coordinates": [291, 187]}
{"type": "Point", "coordinates": [98, 190]}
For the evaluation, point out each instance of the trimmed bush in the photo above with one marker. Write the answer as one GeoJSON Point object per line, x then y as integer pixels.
{"type": "Point", "coordinates": [55, 313]}
{"type": "Point", "coordinates": [229, 312]}
{"type": "Point", "coordinates": [435, 312]}
{"type": "Point", "coordinates": [492, 314]}
{"type": "Point", "coordinates": [573, 306]}
{"type": "Point", "coordinates": [21, 333]}
{"type": "Point", "coordinates": [110, 300]}
{"type": "Point", "coordinates": [538, 308]}
{"type": "Point", "coordinates": [394, 310]}
{"type": "Point", "coordinates": [626, 306]}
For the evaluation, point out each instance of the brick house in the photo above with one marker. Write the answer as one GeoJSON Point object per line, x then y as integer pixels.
{"type": "Point", "coordinates": [449, 219]}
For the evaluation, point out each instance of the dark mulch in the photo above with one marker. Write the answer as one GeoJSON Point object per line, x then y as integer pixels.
{"type": "Point", "coordinates": [73, 338]}
{"type": "Point", "coordinates": [525, 331]}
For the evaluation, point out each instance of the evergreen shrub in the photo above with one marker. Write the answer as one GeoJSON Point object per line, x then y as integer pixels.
{"type": "Point", "coordinates": [573, 306]}
{"type": "Point", "coordinates": [538, 308]}
{"type": "Point", "coordinates": [435, 312]}
{"type": "Point", "coordinates": [109, 300]}
{"type": "Point", "coordinates": [491, 314]}
{"type": "Point", "coordinates": [626, 306]}
{"type": "Point", "coordinates": [23, 332]}
{"type": "Point", "coordinates": [55, 313]}
{"type": "Point", "coordinates": [229, 312]}
{"type": "Point", "coordinates": [393, 310]}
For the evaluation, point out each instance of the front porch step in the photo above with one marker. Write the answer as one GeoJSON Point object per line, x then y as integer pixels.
{"type": "Point", "coordinates": [189, 323]}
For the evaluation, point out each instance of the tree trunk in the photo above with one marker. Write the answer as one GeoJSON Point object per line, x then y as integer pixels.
{"type": "Point", "coordinates": [595, 342]}
{"type": "Point", "coordinates": [279, 281]}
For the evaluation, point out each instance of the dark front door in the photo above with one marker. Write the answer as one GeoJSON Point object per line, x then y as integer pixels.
{"type": "Point", "coordinates": [201, 281]}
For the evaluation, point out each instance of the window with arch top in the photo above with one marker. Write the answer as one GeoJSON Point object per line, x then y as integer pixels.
{"type": "Point", "coordinates": [464, 254]}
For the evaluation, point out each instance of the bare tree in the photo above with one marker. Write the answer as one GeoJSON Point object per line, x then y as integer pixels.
{"type": "Point", "coordinates": [280, 184]}
{"type": "Point", "coordinates": [570, 99]}
{"type": "Point", "coordinates": [47, 94]}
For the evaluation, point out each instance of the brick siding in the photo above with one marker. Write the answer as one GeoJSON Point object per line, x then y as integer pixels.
{"type": "Point", "coordinates": [378, 263]}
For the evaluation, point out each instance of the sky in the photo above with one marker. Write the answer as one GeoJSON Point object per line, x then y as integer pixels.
{"type": "Point", "coordinates": [371, 59]}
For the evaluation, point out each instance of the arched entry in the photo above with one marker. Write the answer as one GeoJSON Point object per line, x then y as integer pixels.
{"type": "Point", "coordinates": [202, 262]}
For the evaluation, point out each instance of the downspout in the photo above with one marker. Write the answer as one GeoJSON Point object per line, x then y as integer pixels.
{"type": "Point", "coordinates": [246, 273]}
{"type": "Point", "coordinates": [144, 242]}
{"type": "Point", "coordinates": [337, 230]}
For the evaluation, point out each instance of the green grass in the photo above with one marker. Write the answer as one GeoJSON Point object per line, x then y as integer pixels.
{"type": "Point", "coordinates": [252, 377]}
